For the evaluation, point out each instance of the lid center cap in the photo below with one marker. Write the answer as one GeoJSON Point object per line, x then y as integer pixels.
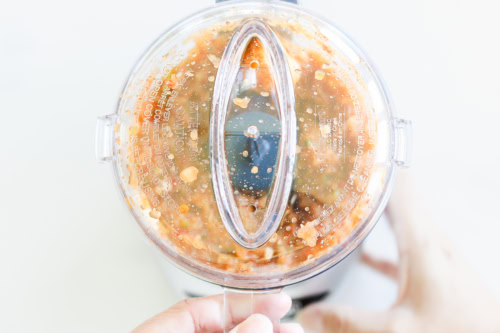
{"type": "Point", "coordinates": [252, 132]}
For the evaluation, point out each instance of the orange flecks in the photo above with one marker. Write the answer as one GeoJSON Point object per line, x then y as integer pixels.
{"type": "Point", "coordinates": [155, 214]}
{"type": "Point", "coordinates": [254, 53]}
{"type": "Point", "coordinates": [268, 253]}
{"type": "Point", "coordinates": [273, 238]}
{"type": "Point", "coordinates": [214, 60]}
{"type": "Point", "coordinates": [241, 102]}
{"type": "Point", "coordinates": [319, 75]}
{"type": "Point", "coordinates": [183, 208]}
{"type": "Point", "coordinates": [309, 234]}
{"type": "Point", "coordinates": [172, 83]}
{"type": "Point", "coordinates": [197, 242]}
{"type": "Point", "coordinates": [189, 174]}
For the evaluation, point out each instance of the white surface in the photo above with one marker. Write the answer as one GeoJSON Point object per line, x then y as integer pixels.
{"type": "Point", "coordinates": [72, 258]}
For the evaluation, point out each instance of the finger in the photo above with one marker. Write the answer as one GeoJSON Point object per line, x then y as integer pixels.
{"type": "Point", "coordinates": [274, 306]}
{"type": "Point", "coordinates": [240, 306]}
{"type": "Point", "coordinates": [419, 239]}
{"type": "Point", "coordinates": [205, 314]}
{"type": "Point", "coordinates": [408, 215]}
{"type": "Point", "coordinates": [291, 328]}
{"type": "Point", "coordinates": [327, 318]}
{"type": "Point", "coordinates": [382, 266]}
{"type": "Point", "coordinates": [411, 231]}
{"type": "Point", "coordinates": [401, 210]}
{"type": "Point", "coordinates": [262, 324]}
{"type": "Point", "coordinates": [255, 323]}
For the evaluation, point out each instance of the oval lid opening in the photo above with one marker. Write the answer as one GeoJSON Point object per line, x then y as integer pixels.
{"type": "Point", "coordinates": [253, 134]}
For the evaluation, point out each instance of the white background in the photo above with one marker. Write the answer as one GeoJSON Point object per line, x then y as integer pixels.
{"type": "Point", "coordinates": [71, 257]}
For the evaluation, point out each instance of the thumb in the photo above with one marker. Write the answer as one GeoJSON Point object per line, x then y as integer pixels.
{"type": "Point", "coordinates": [254, 323]}
{"type": "Point", "coordinates": [327, 318]}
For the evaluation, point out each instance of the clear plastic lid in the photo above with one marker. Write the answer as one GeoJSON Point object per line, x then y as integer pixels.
{"type": "Point", "coordinates": [255, 144]}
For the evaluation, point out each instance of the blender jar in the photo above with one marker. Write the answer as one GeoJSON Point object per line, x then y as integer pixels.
{"type": "Point", "coordinates": [255, 144]}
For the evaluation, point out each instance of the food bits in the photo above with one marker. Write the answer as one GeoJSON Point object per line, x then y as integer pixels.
{"type": "Point", "coordinates": [319, 75]}
{"type": "Point", "coordinates": [325, 130]}
{"type": "Point", "coordinates": [309, 234]}
{"type": "Point", "coordinates": [194, 135]}
{"type": "Point", "coordinates": [197, 242]}
{"type": "Point", "coordinates": [241, 102]}
{"type": "Point", "coordinates": [183, 209]}
{"type": "Point", "coordinates": [214, 60]}
{"type": "Point", "coordinates": [189, 174]}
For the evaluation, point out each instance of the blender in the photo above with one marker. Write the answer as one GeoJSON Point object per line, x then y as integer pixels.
{"type": "Point", "coordinates": [256, 146]}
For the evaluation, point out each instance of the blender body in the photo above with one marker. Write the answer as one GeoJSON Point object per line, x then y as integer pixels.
{"type": "Point", "coordinates": [256, 146]}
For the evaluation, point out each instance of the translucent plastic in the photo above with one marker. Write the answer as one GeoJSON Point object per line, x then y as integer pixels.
{"type": "Point", "coordinates": [104, 138]}
{"type": "Point", "coordinates": [254, 70]}
{"type": "Point", "coordinates": [315, 186]}
{"type": "Point", "coordinates": [242, 304]}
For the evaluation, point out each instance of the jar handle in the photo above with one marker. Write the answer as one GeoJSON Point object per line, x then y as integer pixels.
{"type": "Point", "coordinates": [402, 154]}
{"type": "Point", "coordinates": [104, 138]}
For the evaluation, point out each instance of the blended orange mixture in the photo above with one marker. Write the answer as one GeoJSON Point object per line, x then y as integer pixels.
{"type": "Point", "coordinates": [168, 153]}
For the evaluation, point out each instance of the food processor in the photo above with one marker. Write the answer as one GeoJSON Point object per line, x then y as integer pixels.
{"type": "Point", "coordinates": [256, 146]}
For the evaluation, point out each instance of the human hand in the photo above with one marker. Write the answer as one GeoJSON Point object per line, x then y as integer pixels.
{"type": "Point", "coordinates": [205, 315]}
{"type": "Point", "coordinates": [438, 290]}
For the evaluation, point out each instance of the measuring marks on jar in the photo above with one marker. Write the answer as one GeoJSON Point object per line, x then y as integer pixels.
{"type": "Point", "coordinates": [332, 133]}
